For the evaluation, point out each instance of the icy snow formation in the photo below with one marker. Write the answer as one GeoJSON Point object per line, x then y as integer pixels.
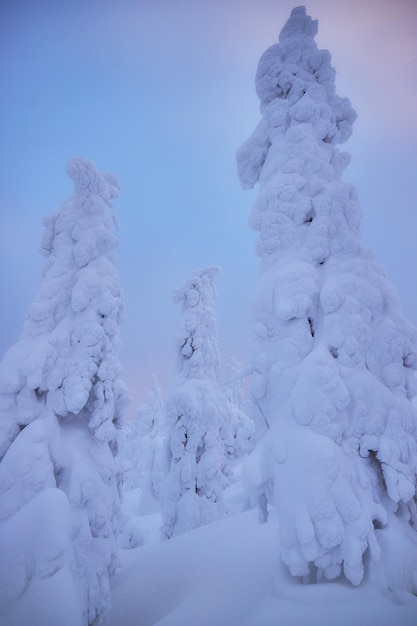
{"type": "Point", "coordinates": [334, 359]}
{"type": "Point", "coordinates": [205, 429]}
{"type": "Point", "coordinates": [61, 402]}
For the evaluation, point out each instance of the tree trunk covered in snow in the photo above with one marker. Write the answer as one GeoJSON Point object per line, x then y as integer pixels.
{"type": "Point", "coordinates": [61, 403]}
{"type": "Point", "coordinates": [334, 358]}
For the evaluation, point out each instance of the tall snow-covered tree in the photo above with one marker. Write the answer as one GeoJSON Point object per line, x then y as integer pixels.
{"type": "Point", "coordinates": [334, 359]}
{"type": "Point", "coordinates": [61, 404]}
{"type": "Point", "coordinates": [197, 415]}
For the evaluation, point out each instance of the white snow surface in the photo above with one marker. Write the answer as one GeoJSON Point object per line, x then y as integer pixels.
{"type": "Point", "coordinates": [222, 574]}
{"type": "Point", "coordinates": [225, 574]}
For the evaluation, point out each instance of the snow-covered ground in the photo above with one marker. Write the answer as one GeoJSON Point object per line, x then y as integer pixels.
{"type": "Point", "coordinates": [223, 574]}
{"type": "Point", "coordinates": [226, 574]}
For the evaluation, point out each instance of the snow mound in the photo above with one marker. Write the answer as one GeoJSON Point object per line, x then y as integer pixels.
{"type": "Point", "coordinates": [225, 574]}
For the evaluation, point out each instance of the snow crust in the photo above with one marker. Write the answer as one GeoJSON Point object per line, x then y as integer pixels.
{"type": "Point", "coordinates": [334, 359]}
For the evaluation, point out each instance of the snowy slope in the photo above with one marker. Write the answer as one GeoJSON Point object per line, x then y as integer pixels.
{"type": "Point", "coordinates": [225, 574]}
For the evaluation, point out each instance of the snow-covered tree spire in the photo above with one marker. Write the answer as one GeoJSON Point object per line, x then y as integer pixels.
{"type": "Point", "coordinates": [198, 353]}
{"type": "Point", "coordinates": [298, 24]}
{"type": "Point", "coordinates": [333, 358]}
{"type": "Point", "coordinates": [61, 402]}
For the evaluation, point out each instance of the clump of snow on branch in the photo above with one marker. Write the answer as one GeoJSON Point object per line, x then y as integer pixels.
{"type": "Point", "coordinates": [204, 431]}
{"type": "Point", "coordinates": [62, 402]}
{"type": "Point", "coordinates": [334, 359]}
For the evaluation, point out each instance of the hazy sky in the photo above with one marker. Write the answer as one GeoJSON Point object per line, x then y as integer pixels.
{"type": "Point", "coordinates": [161, 93]}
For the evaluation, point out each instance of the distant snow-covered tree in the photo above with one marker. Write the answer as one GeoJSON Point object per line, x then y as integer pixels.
{"type": "Point", "coordinates": [145, 461]}
{"type": "Point", "coordinates": [145, 443]}
{"type": "Point", "coordinates": [61, 405]}
{"type": "Point", "coordinates": [334, 359]}
{"type": "Point", "coordinates": [157, 467]}
{"type": "Point", "coordinates": [197, 415]}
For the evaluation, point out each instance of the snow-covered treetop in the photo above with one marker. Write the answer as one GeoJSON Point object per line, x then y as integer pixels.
{"type": "Point", "coordinates": [293, 151]}
{"type": "Point", "coordinates": [150, 415]}
{"type": "Point", "coordinates": [89, 181]}
{"type": "Point", "coordinates": [198, 353]}
{"type": "Point", "coordinates": [79, 240]}
{"type": "Point", "coordinates": [295, 70]}
{"type": "Point", "coordinates": [299, 23]}
{"type": "Point", "coordinates": [94, 193]}
{"type": "Point", "coordinates": [295, 82]}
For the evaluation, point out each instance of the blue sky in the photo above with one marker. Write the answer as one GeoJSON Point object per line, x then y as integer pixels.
{"type": "Point", "coordinates": [161, 93]}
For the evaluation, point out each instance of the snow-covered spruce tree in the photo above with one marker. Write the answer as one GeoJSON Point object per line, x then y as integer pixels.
{"type": "Point", "coordinates": [61, 403]}
{"type": "Point", "coordinates": [334, 358]}
{"type": "Point", "coordinates": [197, 415]}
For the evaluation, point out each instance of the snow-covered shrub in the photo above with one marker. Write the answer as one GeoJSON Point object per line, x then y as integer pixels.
{"type": "Point", "coordinates": [61, 405]}
{"type": "Point", "coordinates": [334, 359]}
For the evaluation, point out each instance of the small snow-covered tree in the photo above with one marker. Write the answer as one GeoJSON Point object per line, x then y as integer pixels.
{"type": "Point", "coordinates": [197, 415]}
{"type": "Point", "coordinates": [333, 358]}
{"type": "Point", "coordinates": [143, 449]}
{"type": "Point", "coordinates": [154, 433]}
{"type": "Point", "coordinates": [61, 404]}
{"type": "Point", "coordinates": [145, 465]}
